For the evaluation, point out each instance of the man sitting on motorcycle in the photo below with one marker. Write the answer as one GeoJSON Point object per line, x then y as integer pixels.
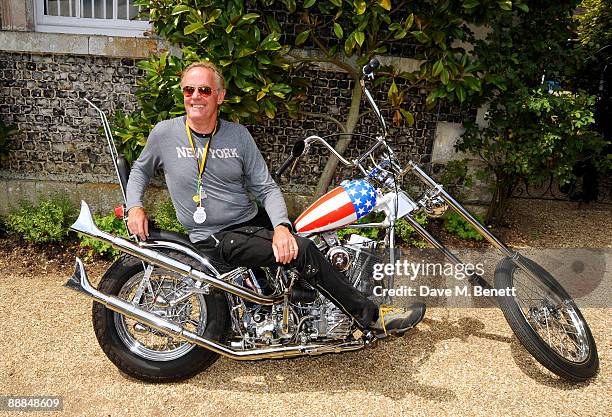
{"type": "Point", "coordinates": [210, 165]}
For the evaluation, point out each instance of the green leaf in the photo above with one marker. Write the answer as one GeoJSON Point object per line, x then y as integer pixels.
{"type": "Point", "coordinates": [523, 7]}
{"type": "Point", "coordinates": [408, 116]}
{"type": "Point", "coordinates": [420, 36]}
{"type": "Point", "coordinates": [444, 76]}
{"type": "Point", "coordinates": [359, 38]}
{"type": "Point", "coordinates": [249, 17]}
{"type": "Point", "coordinates": [385, 4]}
{"type": "Point", "coordinates": [400, 34]}
{"type": "Point", "coordinates": [309, 3]}
{"type": "Point", "coordinates": [409, 21]}
{"type": "Point", "coordinates": [270, 46]}
{"type": "Point", "coordinates": [273, 24]}
{"type": "Point", "coordinates": [264, 59]}
{"type": "Point", "coordinates": [245, 52]}
{"type": "Point", "coordinates": [460, 92]}
{"type": "Point", "coordinates": [301, 38]}
{"type": "Point", "coordinates": [189, 29]}
{"type": "Point", "coordinates": [337, 3]}
{"type": "Point", "coordinates": [380, 50]}
{"type": "Point", "coordinates": [229, 28]}
{"type": "Point", "coordinates": [181, 8]}
{"type": "Point", "coordinates": [338, 30]}
{"type": "Point", "coordinates": [290, 5]}
{"type": "Point", "coordinates": [470, 4]}
{"type": "Point", "coordinates": [360, 7]}
{"type": "Point", "coordinates": [349, 44]}
{"type": "Point", "coordinates": [261, 95]}
{"type": "Point", "coordinates": [214, 14]}
{"type": "Point", "coordinates": [437, 68]}
{"type": "Point", "coordinates": [392, 90]}
{"type": "Point", "coordinates": [505, 5]}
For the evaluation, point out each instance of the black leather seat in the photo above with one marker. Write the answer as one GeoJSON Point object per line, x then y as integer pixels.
{"type": "Point", "coordinates": [158, 234]}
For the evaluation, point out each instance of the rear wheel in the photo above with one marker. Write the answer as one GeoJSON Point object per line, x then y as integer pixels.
{"type": "Point", "coordinates": [546, 320]}
{"type": "Point", "coordinates": [148, 354]}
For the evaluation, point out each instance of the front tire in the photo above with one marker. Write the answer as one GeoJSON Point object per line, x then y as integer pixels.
{"type": "Point", "coordinates": [546, 320]}
{"type": "Point", "coordinates": [147, 354]}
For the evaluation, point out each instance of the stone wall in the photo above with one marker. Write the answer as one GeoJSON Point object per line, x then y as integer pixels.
{"type": "Point", "coordinates": [60, 137]}
{"type": "Point", "coordinates": [59, 134]}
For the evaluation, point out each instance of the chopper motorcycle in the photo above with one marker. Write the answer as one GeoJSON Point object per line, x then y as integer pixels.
{"type": "Point", "coordinates": [162, 312]}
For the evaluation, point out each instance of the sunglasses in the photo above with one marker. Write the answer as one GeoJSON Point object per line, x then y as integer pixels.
{"type": "Point", "coordinates": [205, 91]}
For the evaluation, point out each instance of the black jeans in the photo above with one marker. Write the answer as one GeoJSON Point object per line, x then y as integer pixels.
{"type": "Point", "coordinates": [250, 246]}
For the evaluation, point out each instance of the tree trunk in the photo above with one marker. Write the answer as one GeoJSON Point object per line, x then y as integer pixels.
{"type": "Point", "coordinates": [499, 203]}
{"type": "Point", "coordinates": [342, 143]}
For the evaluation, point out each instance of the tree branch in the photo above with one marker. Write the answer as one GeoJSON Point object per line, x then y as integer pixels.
{"type": "Point", "coordinates": [326, 117]}
{"type": "Point", "coordinates": [334, 61]}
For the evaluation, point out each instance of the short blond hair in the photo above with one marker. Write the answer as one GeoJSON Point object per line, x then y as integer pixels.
{"type": "Point", "coordinates": [209, 65]}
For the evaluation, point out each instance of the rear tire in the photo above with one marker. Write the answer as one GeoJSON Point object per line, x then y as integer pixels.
{"type": "Point", "coordinates": [546, 320]}
{"type": "Point", "coordinates": [144, 362]}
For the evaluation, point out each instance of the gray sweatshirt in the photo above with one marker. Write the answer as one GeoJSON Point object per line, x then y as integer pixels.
{"type": "Point", "coordinates": [234, 165]}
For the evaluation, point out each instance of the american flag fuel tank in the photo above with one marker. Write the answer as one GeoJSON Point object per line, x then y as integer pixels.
{"type": "Point", "coordinates": [341, 206]}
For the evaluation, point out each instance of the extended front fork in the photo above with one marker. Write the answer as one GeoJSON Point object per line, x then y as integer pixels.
{"type": "Point", "coordinates": [474, 278]}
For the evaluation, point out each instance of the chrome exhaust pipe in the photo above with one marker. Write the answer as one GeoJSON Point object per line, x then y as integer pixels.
{"type": "Point", "coordinates": [80, 282]}
{"type": "Point", "coordinates": [86, 225]}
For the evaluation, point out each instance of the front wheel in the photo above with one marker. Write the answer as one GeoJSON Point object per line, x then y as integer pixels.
{"type": "Point", "coordinates": [148, 354]}
{"type": "Point", "coordinates": [546, 320]}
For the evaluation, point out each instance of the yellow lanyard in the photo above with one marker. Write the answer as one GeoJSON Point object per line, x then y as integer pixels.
{"type": "Point", "coordinates": [201, 164]}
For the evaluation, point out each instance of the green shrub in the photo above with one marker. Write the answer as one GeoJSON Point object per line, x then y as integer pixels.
{"type": "Point", "coordinates": [370, 233]}
{"type": "Point", "coordinates": [164, 217]}
{"type": "Point", "coordinates": [457, 225]}
{"type": "Point", "coordinates": [47, 222]}
{"type": "Point", "coordinates": [5, 133]}
{"type": "Point", "coordinates": [111, 224]}
{"type": "Point", "coordinates": [404, 233]}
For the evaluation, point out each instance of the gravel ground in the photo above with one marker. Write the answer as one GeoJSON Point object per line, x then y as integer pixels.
{"type": "Point", "coordinates": [457, 362]}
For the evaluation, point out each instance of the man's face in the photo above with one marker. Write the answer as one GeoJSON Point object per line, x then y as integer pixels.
{"type": "Point", "coordinates": [200, 107]}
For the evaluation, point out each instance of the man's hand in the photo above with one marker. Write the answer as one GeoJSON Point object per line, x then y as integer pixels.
{"type": "Point", "coordinates": [284, 245]}
{"type": "Point", "coordinates": [138, 222]}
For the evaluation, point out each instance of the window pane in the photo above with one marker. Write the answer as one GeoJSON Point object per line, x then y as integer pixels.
{"type": "Point", "coordinates": [86, 8]}
{"type": "Point", "coordinates": [109, 9]}
{"type": "Point", "coordinates": [60, 8]}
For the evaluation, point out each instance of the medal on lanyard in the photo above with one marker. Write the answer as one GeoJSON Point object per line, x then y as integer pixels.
{"type": "Point", "coordinates": [199, 216]}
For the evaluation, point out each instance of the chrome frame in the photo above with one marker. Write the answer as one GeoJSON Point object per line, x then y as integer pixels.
{"type": "Point", "coordinates": [80, 282]}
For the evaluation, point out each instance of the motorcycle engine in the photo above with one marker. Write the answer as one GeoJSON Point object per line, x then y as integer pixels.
{"type": "Point", "coordinates": [310, 315]}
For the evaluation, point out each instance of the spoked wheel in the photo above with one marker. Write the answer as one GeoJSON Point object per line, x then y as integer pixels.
{"type": "Point", "coordinates": [146, 353]}
{"type": "Point", "coordinates": [158, 297]}
{"type": "Point", "coordinates": [546, 320]}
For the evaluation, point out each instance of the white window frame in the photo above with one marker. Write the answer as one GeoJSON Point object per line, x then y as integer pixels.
{"type": "Point", "coordinates": [87, 26]}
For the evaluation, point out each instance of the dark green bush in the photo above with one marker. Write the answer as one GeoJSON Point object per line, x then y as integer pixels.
{"type": "Point", "coordinates": [47, 222]}
{"type": "Point", "coordinates": [455, 224]}
{"type": "Point", "coordinates": [164, 217]}
{"type": "Point", "coordinates": [111, 224]}
{"type": "Point", "coordinates": [5, 133]}
{"type": "Point", "coordinates": [3, 229]}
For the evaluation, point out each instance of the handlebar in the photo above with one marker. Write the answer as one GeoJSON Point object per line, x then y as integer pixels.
{"type": "Point", "coordinates": [300, 147]}
{"type": "Point", "coordinates": [284, 166]}
{"type": "Point", "coordinates": [369, 68]}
